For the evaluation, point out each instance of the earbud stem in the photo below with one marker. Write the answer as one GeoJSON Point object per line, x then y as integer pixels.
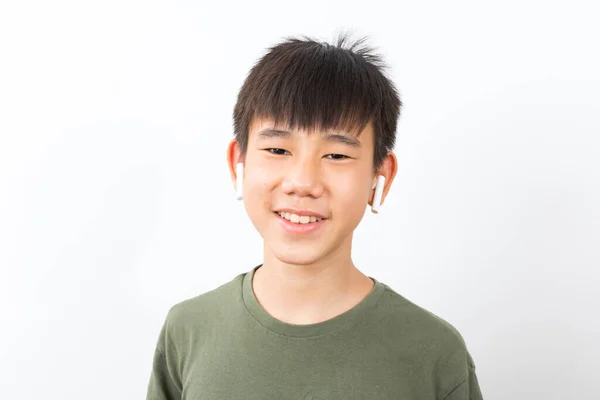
{"type": "Point", "coordinates": [378, 194]}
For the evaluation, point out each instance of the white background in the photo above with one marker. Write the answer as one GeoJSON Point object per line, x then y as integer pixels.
{"type": "Point", "coordinates": [116, 202]}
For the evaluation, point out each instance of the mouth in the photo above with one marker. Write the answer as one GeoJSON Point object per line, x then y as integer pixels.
{"type": "Point", "coordinates": [299, 224]}
{"type": "Point", "coordinates": [299, 219]}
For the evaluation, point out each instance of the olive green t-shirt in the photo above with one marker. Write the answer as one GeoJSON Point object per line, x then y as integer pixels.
{"type": "Point", "coordinates": [223, 345]}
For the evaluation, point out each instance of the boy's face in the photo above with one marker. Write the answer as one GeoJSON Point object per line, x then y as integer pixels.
{"type": "Point", "coordinates": [324, 173]}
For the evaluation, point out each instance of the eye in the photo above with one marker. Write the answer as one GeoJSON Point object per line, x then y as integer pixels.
{"type": "Point", "coordinates": [279, 152]}
{"type": "Point", "coordinates": [336, 156]}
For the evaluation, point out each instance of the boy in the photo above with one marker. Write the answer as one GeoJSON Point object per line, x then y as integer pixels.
{"type": "Point", "coordinates": [314, 128]}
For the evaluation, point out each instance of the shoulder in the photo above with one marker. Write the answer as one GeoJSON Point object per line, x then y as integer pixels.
{"type": "Point", "coordinates": [198, 311]}
{"type": "Point", "coordinates": [414, 335]}
{"type": "Point", "coordinates": [419, 326]}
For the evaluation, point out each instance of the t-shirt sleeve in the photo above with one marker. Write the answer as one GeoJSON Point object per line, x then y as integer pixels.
{"type": "Point", "coordinates": [164, 383]}
{"type": "Point", "coordinates": [469, 388]}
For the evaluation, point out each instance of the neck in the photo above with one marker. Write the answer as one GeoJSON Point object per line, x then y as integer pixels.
{"type": "Point", "coordinates": [309, 293]}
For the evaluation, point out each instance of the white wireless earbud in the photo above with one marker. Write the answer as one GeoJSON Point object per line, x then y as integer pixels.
{"type": "Point", "coordinates": [378, 186]}
{"type": "Point", "coordinates": [239, 181]}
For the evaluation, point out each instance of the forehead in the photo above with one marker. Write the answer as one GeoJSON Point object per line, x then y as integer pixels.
{"type": "Point", "coordinates": [259, 126]}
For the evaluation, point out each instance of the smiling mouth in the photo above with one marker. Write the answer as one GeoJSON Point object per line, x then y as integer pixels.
{"type": "Point", "coordinates": [298, 219]}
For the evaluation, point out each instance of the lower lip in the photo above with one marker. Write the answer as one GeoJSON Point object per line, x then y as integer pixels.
{"type": "Point", "coordinates": [299, 228]}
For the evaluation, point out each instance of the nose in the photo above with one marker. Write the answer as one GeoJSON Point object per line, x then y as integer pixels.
{"type": "Point", "coordinates": [303, 178]}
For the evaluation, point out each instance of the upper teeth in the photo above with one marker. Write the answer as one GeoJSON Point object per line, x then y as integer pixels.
{"type": "Point", "coordinates": [304, 219]}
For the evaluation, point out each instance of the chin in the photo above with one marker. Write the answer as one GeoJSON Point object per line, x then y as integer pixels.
{"type": "Point", "coordinates": [298, 255]}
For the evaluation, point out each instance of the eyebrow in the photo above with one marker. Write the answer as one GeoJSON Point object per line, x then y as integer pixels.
{"type": "Point", "coordinates": [331, 137]}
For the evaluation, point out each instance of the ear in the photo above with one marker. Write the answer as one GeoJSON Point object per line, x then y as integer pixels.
{"type": "Point", "coordinates": [388, 169]}
{"type": "Point", "coordinates": [233, 158]}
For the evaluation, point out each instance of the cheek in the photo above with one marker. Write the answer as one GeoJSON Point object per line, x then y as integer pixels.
{"type": "Point", "coordinates": [259, 175]}
{"type": "Point", "coordinates": [352, 194]}
{"type": "Point", "coordinates": [259, 181]}
{"type": "Point", "coordinates": [258, 186]}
